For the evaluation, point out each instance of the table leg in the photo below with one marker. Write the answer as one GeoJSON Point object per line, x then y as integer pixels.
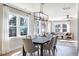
{"type": "Point", "coordinates": [42, 50]}
{"type": "Point", "coordinates": [24, 53]}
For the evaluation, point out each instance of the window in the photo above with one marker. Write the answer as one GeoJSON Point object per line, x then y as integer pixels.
{"type": "Point", "coordinates": [64, 28]}
{"type": "Point", "coordinates": [43, 26]}
{"type": "Point", "coordinates": [58, 28]}
{"type": "Point", "coordinates": [12, 25]}
{"type": "Point", "coordinates": [61, 28]}
{"type": "Point", "coordinates": [64, 25]}
{"type": "Point", "coordinates": [36, 26]}
{"type": "Point", "coordinates": [23, 26]}
{"type": "Point", "coordinates": [17, 25]}
{"type": "Point", "coordinates": [39, 27]}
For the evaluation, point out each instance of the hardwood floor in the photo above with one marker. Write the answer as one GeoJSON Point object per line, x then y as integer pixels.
{"type": "Point", "coordinates": [12, 52]}
{"type": "Point", "coordinates": [64, 48]}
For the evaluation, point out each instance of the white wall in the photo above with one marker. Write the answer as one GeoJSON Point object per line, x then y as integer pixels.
{"type": "Point", "coordinates": [3, 32]}
{"type": "Point", "coordinates": [1, 18]}
{"type": "Point", "coordinates": [74, 28]}
{"type": "Point", "coordinates": [6, 43]}
{"type": "Point", "coordinates": [31, 25]}
{"type": "Point", "coordinates": [78, 28]}
{"type": "Point", "coordinates": [5, 39]}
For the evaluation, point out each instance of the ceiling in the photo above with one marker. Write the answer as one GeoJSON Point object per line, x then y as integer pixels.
{"type": "Point", "coordinates": [54, 10]}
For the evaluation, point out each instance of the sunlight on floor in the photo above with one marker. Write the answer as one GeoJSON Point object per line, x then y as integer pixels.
{"type": "Point", "coordinates": [15, 54]}
{"type": "Point", "coordinates": [68, 40]}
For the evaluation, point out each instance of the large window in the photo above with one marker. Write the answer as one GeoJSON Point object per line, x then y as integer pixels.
{"type": "Point", "coordinates": [36, 27]}
{"type": "Point", "coordinates": [40, 27]}
{"type": "Point", "coordinates": [64, 28]}
{"type": "Point", "coordinates": [43, 26]}
{"type": "Point", "coordinates": [17, 25]}
{"type": "Point", "coordinates": [23, 26]}
{"type": "Point", "coordinates": [12, 25]}
{"type": "Point", "coordinates": [58, 28]}
{"type": "Point", "coordinates": [61, 28]}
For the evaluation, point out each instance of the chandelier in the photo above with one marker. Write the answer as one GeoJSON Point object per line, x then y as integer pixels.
{"type": "Point", "coordinates": [66, 11]}
{"type": "Point", "coordinates": [41, 15]}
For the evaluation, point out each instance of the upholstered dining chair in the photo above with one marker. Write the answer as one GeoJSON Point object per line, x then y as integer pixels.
{"type": "Point", "coordinates": [48, 46]}
{"type": "Point", "coordinates": [55, 41]}
{"type": "Point", "coordinates": [51, 45]}
{"type": "Point", "coordinates": [29, 46]}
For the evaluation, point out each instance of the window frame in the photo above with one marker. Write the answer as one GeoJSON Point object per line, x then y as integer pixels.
{"type": "Point", "coordinates": [61, 28]}
{"type": "Point", "coordinates": [12, 26]}
{"type": "Point", "coordinates": [24, 25]}
{"type": "Point", "coordinates": [17, 25]}
{"type": "Point", "coordinates": [36, 26]}
{"type": "Point", "coordinates": [64, 28]}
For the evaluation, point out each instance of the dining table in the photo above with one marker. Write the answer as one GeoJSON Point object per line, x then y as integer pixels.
{"type": "Point", "coordinates": [40, 40]}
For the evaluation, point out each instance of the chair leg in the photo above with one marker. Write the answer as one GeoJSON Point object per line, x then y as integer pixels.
{"type": "Point", "coordinates": [26, 53]}
{"type": "Point", "coordinates": [31, 54]}
{"type": "Point", "coordinates": [38, 53]}
{"type": "Point", "coordinates": [55, 48]}
{"type": "Point", "coordinates": [49, 52]}
{"type": "Point", "coordinates": [53, 52]}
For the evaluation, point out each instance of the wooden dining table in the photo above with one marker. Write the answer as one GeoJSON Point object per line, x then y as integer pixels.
{"type": "Point", "coordinates": [39, 40]}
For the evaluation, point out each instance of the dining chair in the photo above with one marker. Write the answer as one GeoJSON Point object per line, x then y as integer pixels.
{"type": "Point", "coordinates": [54, 45]}
{"type": "Point", "coordinates": [51, 45]}
{"type": "Point", "coordinates": [29, 46]}
{"type": "Point", "coordinates": [48, 46]}
{"type": "Point", "coordinates": [55, 42]}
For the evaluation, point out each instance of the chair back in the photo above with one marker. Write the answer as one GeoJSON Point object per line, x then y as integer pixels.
{"type": "Point", "coordinates": [28, 45]}
{"type": "Point", "coordinates": [55, 40]}
{"type": "Point", "coordinates": [52, 42]}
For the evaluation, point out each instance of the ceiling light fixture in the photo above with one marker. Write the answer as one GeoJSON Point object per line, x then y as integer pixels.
{"type": "Point", "coordinates": [66, 9]}
{"type": "Point", "coordinates": [41, 15]}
